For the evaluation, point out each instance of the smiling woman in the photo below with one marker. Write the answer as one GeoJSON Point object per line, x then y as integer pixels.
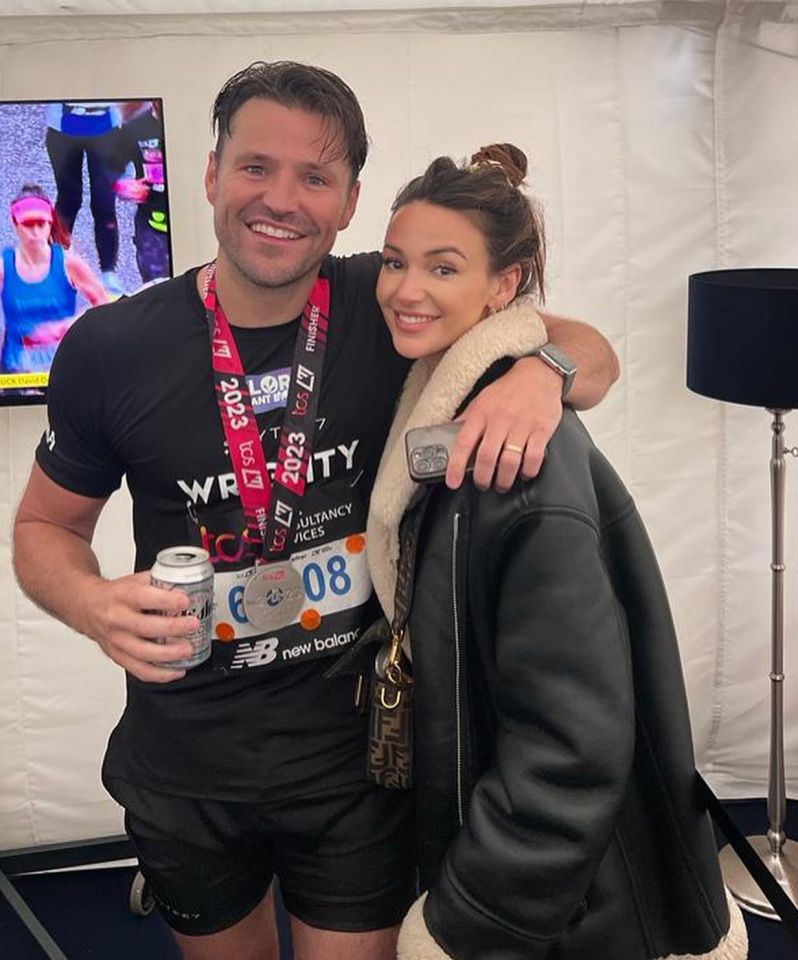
{"type": "Point", "coordinates": [458, 247]}
{"type": "Point", "coordinates": [432, 291]}
{"type": "Point", "coordinates": [534, 822]}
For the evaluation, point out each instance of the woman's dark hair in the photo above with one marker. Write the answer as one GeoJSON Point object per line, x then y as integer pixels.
{"type": "Point", "coordinates": [298, 86]}
{"type": "Point", "coordinates": [59, 232]}
{"type": "Point", "coordinates": [487, 190]}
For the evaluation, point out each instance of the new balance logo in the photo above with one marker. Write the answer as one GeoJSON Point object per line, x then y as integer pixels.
{"type": "Point", "coordinates": [257, 654]}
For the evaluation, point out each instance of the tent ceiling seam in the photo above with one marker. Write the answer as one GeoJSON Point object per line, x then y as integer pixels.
{"type": "Point", "coordinates": [566, 16]}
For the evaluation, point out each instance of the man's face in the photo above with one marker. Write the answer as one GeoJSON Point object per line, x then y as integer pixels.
{"type": "Point", "coordinates": [278, 197]}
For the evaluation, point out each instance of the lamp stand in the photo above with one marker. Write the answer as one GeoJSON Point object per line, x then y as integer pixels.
{"type": "Point", "coordinates": [778, 854]}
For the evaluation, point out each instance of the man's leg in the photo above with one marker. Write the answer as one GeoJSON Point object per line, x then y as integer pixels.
{"type": "Point", "coordinates": [207, 870]}
{"type": "Point", "coordinates": [313, 944]}
{"type": "Point", "coordinates": [253, 938]}
{"type": "Point", "coordinates": [346, 863]}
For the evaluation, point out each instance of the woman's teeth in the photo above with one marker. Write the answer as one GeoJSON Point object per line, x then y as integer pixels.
{"type": "Point", "coordinates": [413, 318]}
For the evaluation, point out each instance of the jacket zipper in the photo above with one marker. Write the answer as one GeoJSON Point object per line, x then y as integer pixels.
{"type": "Point", "coordinates": [457, 673]}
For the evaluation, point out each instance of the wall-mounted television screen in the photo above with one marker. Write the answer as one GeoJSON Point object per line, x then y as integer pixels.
{"type": "Point", "coordinates": [84, 219]}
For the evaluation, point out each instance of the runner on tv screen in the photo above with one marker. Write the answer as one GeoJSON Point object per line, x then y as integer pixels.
{"type": "Point", "coordinates": [84, 219]}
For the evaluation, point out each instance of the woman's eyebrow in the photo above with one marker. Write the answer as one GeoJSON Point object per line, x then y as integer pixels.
{"type": "Point", "coordinates": [439, 250]}
{"type": "Point", "coordinates": [436, 252]}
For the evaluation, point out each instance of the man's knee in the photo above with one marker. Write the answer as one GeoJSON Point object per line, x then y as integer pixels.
{"type": "Point", "coordinates": [310, 943]}
{"type": "Point", "coordinates": [253, 938]}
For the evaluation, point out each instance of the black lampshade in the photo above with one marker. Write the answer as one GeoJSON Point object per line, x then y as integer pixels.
{"type": "Point", "coordinates": [742, 336]}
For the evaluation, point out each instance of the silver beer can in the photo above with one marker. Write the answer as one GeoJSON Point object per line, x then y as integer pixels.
{"type": "Point", "coordinates": [190, 570]}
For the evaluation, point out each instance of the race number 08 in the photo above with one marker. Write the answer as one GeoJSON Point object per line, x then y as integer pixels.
{"type": "Point", "coordinates": [316, 583]}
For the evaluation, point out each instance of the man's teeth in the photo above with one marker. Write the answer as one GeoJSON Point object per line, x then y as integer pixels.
{"type": "Point", "coordinates": [407, 318]}
{"type": "Point", "coordinates": [277, 232]}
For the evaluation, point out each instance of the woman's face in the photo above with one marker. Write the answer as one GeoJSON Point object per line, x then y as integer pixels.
{"type": "Point", "coordinates": [33, 232]}
{"type": "Point", "coordinates": [436, 280]}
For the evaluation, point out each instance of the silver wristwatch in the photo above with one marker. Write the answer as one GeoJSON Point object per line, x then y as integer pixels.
{"type": "Point", "coordinates": [560, 361]}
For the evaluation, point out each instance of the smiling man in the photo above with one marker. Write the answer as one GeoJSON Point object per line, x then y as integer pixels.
{"type": "Point", "coordinates": [311, 196]}
{"type": "Point", "coordinates": [247, 403]}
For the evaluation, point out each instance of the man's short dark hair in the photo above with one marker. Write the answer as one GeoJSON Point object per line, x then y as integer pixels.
{"type": "Point", "coordinates": [298, 86]}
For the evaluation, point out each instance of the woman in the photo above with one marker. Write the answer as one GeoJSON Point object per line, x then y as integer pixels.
{"type": "Point", "coordinates": [39, 282]}
{"type": "Point", "coordinates": [553, 758]}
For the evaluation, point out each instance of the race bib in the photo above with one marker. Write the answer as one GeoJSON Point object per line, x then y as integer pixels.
{"type": "Point", "coordinates": [310, 605]}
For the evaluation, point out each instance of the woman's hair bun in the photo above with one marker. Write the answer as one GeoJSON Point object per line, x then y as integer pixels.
{"type": "Point", "coordinates": [511, 159]}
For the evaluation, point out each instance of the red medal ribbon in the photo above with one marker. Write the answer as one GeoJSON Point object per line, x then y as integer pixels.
{"type": "Point", "coordinates": [271, 508]}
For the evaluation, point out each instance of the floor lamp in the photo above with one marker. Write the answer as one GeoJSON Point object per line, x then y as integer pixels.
{"type": "Point", "coordinates": [742, 346]}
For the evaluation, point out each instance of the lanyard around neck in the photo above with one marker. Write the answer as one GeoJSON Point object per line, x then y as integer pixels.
{"type": "Point", "coordinates": [270, 508]}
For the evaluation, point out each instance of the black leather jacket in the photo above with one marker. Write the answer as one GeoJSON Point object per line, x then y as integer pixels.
{"type": "Point", "coordinates": [557, 810]}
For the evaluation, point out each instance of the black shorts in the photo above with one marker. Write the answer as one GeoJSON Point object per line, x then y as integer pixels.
{"type": "Point", "coordinates": [344, 857]}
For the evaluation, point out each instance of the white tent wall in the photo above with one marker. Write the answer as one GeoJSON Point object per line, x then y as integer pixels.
{"type": "Point", "coordinates": [662, 141]}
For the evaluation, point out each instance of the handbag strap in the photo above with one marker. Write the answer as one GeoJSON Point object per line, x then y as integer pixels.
{"type": "Point", "coordinates": [409, 530]}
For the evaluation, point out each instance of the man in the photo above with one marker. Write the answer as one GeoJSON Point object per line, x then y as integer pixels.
{"type": "Point", "coordinates": [252, 765]}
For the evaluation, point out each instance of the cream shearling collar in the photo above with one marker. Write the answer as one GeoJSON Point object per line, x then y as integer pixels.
{"type": "Point", "coordinates": [432, 394]}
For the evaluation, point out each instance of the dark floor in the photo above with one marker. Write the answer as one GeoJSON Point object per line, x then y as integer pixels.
{"type": "Point", "coordinates": [87, 913]}
{"type": "Point", "coordinates": [768, 940]}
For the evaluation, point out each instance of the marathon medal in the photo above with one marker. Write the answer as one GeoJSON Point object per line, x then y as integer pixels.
{"type": "Point", "coordinates": [274, 596]}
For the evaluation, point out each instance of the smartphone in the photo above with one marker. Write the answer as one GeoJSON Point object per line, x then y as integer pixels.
{"type": "Point", "coordinates": [428, 450]}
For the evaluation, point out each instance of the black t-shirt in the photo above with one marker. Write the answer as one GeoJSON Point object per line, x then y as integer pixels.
{"type": "Point", "coordinates": [131, 394]}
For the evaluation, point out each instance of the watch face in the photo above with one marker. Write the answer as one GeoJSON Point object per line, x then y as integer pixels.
{"type": "Point", "coordinates": [560, 362]}
{"type": "Point", "coordinates": [558, 359]}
